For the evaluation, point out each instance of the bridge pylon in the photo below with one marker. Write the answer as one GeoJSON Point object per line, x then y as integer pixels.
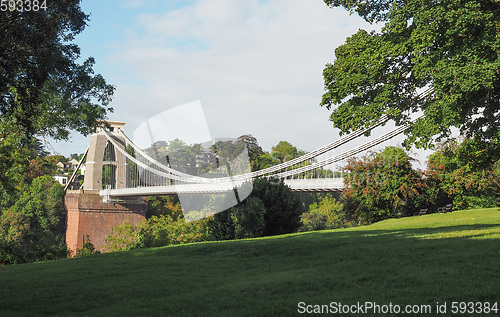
{"type": "Point", "coordinates": [103, 159]}
{"type": "Point", "coordinates": [88, 216]}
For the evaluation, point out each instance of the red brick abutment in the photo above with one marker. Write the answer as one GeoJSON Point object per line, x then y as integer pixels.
{"type": "Point", "coordinates": [88, 217]}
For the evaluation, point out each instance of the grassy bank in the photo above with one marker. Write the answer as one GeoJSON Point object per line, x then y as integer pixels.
{"type": "Point", "coordinates": [421, 260]}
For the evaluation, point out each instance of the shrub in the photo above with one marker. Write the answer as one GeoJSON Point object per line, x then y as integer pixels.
{"type": "Point", "coordinates": [34, 228]}
{"type": "Point", "coordinates": [156, 232]}
{"type": "Point", "coordinates": [271, 209]}
{"type": "Point", "coordinates": [464, 173]}
{"type": "Point", "coordinates": [283, 207]}
{"type": "Point", "coordinates": [124, 237]}
{"type": "Point", "coordinates": [248, 219]}
{"type": "Point", "coordinates": [313, 221]}
{"type": "Point", "coordinates": [382, 185]}
{"type": "Point", "coordinates": [86, 249]}
{"type": "Point", "coordinates": [328, 213]}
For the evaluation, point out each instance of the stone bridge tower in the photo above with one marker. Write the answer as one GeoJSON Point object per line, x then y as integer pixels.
{"type": "Point", "coordinates": [88, 217]}
{"type": "Point", "coordinates": [105, 165]}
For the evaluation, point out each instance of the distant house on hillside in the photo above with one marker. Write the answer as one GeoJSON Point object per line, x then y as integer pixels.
{"type": "Point", "coordinates": [205, 157]}
{"type": "Point", "coordinates": [62, 179]}
{"type": "Point", "coordinates": [72, 164]}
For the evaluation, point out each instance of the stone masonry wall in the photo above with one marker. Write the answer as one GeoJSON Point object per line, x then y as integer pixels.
{"type": "Point", "coordinates": [88, 215]}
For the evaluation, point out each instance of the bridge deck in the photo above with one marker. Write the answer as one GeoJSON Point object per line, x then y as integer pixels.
{"type": "Point", "coordinates": [315, 184]}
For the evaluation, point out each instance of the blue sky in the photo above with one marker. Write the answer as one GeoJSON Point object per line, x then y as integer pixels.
{"type": "Point", "coordinates": [256, 66]}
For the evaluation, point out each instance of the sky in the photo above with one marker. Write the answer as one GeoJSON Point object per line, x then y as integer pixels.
{"type": "Point", "coordinates": [254, 65]}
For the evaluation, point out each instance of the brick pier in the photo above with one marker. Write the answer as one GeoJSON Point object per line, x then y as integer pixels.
{"type": "Point", "coordinates": [88, 215]}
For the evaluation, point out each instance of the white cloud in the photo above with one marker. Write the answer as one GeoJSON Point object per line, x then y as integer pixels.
{"type": "Point", "coordinates": [255, 66]}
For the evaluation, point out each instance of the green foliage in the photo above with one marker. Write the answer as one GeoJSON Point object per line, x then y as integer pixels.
{"type": "Point", "coordinates": [271, 209]}
{"type": "Point", "coordinates": [43, 89]}
{"type": "Point", "coordinates": [284, 151]}
{"type": "Point", "coordinates": [328, 213]}
{"type": "Point", "coordinates": [283, 207]}
{"type": "Point", "coordinates": [14, 238]}
{"type": "Point", "coordinates": [86, 249]}
{"type": "Point", "coordinates": [249, 219]}
{"type": "Point", "coordinates": [243, 221]}
{"type": "Point", "coordinates": [182, 232]}
{"type": "Point", "coordinates": [494, 176]}
{"type": "Point", "coordinates": [266, 160]}
{"type": "Point", "coordinates": [450, 46]}
{"type": "Point", "coordinates": [34, 228]}
{"type": "Point", "coordinates": [124, 237]}
{"type": "Point", "coordinates": [227, 150]}
{"type": "Point", "coordinates": [13, 166]}
{"type": "Point", "coordinates": [221, 225]}
{"type": "Point", "coordinates": [156, 232]}
{"type": "Point", "coordinates": [216, 159]}
{"type": "Point", "coordinates": [382, 185]}
{"type": "Point", "coordinates": [313, 221]}
{"type": "Point", "coordinates": [464, 173]}
{"type": "Point", "coordinates": [164, 205]}
{"type": "Point", "coordinates": [39, 166]}
{"type": "Point", "coordinates": [182, 156]}
{"type": "Point", "coordinates": [254, 150]}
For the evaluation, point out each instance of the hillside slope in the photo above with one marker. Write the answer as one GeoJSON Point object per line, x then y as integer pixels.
{"type": "Point", "coordinates": [425, 260]}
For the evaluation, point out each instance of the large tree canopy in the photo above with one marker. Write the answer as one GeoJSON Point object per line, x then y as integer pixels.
{"type": "Point", "coordinates": [44, 91]}
{"type": "Point", "coordinates": [449, 48]}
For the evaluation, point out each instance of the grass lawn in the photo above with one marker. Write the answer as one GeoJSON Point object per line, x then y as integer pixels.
{"type": "Point", "coordinates": [422, 260]}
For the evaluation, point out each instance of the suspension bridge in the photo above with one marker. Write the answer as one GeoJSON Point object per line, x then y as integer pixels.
{"type": "Point", "coordinates": [118, 172]}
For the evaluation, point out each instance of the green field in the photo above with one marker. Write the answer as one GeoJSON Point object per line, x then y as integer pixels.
{"type": "Point", "coordinates": [422, 260]}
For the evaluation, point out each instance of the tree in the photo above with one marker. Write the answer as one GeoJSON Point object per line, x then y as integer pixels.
{"type": "Point", "coordinates": [284, 151]}
{"type": "Point", "coordinates": [248, 219]}
{"type": "Point", "coordinates": [266, 160]}
{"type": "Point", "coordinates": [13, 169]}
{"type": "Point", "coordinates": [254, 149]}
{"type": "Point", "coordinates": [182, 157]}
{"type": "Point", "coordinates": [167, 205]}
{"type": "Point", "coordinates": [450, 47]}
{"type": "Point", "coordinates": [327, 213]}
{"type": "Point", "coordinates": [44, 91]}
{"type": "Point", "coordinates": [14, 240]}
{"type": "Point", "coordinates": [463, 173]}
{"type": "Point", "coordinates": [124, 237]}
{"type": "Point", "coordinates": [494, 177]}
{"type": "Point", "coordinates": [245, 220]}
{"type": "Point", "coordinates": [34, 228]}
{"type": "Point", "coordinates": [382, 185]}
{"type": "Point", "coordinates": [271, 209]}
{"type": "Point", "coordinates": [283, 207]}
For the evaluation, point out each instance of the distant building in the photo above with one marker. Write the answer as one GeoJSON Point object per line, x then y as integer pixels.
{"type": "Point", "coordinates": [62, 179]}
{"type": "Point", "coordinates": [73, 163]}
{"type": "Point", "coordinates": [206, 157]}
